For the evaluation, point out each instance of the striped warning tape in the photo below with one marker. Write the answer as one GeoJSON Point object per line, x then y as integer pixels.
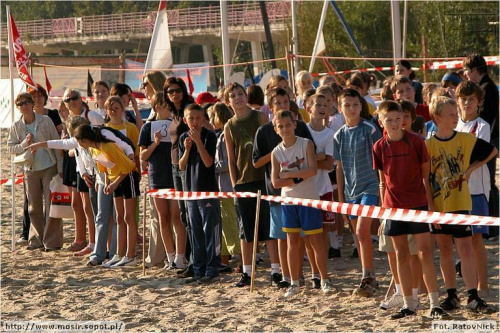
{"type": "Point", "coordinates": [400, 214]}
{"type": "Point", "coordinates": [18, 179]}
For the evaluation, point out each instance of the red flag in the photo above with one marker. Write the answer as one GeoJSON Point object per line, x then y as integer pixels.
{"type": "Point", "coordinates": [163, 5]}
{"type": "Point", "coordinates": [20, 55]}
{"type": "Point", "coordinates": [190, 83]}
{"type": "Point", "coordinates": [47, 82]}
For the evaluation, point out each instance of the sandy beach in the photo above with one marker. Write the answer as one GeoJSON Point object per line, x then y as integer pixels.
{"type": "Point", "coordinates": [56, 286]}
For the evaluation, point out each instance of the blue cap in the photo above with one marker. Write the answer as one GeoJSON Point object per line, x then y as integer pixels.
{"type": "Point", "coordinates": [452, 77]}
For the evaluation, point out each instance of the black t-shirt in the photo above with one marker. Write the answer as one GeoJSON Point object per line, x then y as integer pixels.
{"type": "Point", "coordinates": [54, 116]}
{"type": "Point", "coordinates": [266, 139]}
{"type": "Point", "coordinates": [160, 163]}
{"type": "Point", "coordinates": [482, 149]}
{"type": "Point", "coordinates": [198, 176]}
{"type": "Point", "coordinates": [489, 108]}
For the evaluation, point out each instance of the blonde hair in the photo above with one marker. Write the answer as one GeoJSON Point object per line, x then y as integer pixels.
{"type": "Point", "coordinates": [298, 78]}
{"type": "Point", "coordinates": [156, 79]}
{"type": "Point", "coordinates": [438, 103]}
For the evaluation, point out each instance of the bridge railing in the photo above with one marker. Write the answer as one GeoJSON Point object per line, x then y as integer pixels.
{"type": "Point", "coordinates": [241, 14]}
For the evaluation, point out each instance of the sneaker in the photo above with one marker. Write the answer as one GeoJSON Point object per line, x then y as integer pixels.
{"type": "Point", "coordinates": [395, 302]}
{"type": "Point", "coordinates": [93, 262]}
{"type": "Point", "coordinates": [170, 266]}
{"type": "Point", "coordinates": [276, 278]}
{"type": "Point", "coordinates": [354, 254]}
{"type": "Point", "coordinates": [244, 281]}
{"type": "Point", "coordinates": [225, 269]}
{"type": "Point", "coordinates": [316, 283]}
{"type": "Point", "coordinates": [22, 241]}
{"type": "Point", "coordinates": [86, 250]}
{"type": "Point", "coordinates": [336, 253]}
{"type": "Point", "coordinates": [183, 270]}
{"type": "Point", "coordinates": [187, 273]}
{"type": "Point", "coordinates": [292, 290]}
{"type": "Point", "coordinates": [366, 288]}
{"type": "Point", "coordinates": [126, 261]}
{"type": "Point", "coordinates": [404, 312]}
{"type": "Point", "coordinates": [327, 287]}
{"type": "Point", "coordinates": [283, 284]}
{"type": "Point", "coordinates": [209, 279]}
{"type": "Point", "coordinates": [438, 313]}
{"type": "Point", "coordinates": [478, 305]}
{"type": "Point", "coordinates": [35, 247]}
{"type": "Point", "coordinates": [192, 279]}
{"type": "Point", "coordinates": [116, 258]}
{"type": "Point", "coordinates": [450, 303]}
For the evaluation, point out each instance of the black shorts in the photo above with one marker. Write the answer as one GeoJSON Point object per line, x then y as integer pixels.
{"type": "Point", "coordinates": [457, 231]}
{"type": "Point", "coordinates": [246, 209]}
{"type": "Point", "coordinates": [69, 170]}
{"type": "Point", "coordinates": [398, 228]}
{"type": "Point", "coordinates": [129, 187]}
{"type": "Point", "coordinates": [81, 185]}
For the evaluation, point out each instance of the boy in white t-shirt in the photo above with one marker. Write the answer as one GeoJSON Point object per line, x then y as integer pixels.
{"type": "Point", "coordinates": [469, 97]}
{"type": "Point", "coordinates": [323, 137]}
{"type": "Point", "coordinates": [294, 168]}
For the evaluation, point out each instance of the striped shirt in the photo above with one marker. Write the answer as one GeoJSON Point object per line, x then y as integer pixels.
{"type": "Point", "coordinates": [353, 148]}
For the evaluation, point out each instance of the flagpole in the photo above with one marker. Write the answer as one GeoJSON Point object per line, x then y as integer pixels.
{"type": "Point", "coordinates": [11, 77]}
{"type": "Point", "coordinates": [318, 35]}
{"type": "Point", "coordinates": [295, 38]}
{"type": "Point", "coordinates": [225, 40]}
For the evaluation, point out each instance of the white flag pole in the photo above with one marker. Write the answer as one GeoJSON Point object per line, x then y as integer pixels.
{"type": "Point", "coordinates": [225, 40]}
{"type": "Point", "coordinates": [295, 38]}
{"type": "Point", "coordinates": [11, 76]}
{"type": "Point", "coordinates": [318, 35]}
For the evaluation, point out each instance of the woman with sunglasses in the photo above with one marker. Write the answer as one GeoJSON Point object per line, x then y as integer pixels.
{"type": "Point", "coordinates": [45, 232]}
{"type": "Point", "coordinates": [80, 199]}
{"type": "Point", "coordinates": [40, 98]}
{"type": "Point", "coordinates": [175, 91]}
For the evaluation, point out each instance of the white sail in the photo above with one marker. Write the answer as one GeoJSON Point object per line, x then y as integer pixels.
{"type": "Point", "coordinates": [160, 51]}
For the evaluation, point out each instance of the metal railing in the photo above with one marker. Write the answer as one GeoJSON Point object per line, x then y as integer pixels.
{"type": "Point", "coordinates": [241, 14]}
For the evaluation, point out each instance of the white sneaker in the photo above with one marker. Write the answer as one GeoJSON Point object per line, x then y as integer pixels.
{"type": "Point", "coordinates": [22, 241]}
{"type": "Point", "coordinates": [126, 261]}
{"type": "Point", "coordinates": [327, 287]}
{"type": "Point", "coordinates": [292, 290]}
{"type": "Point", "coordinates": [116, 258]}
{"type": "Point", "coordinates": [395, 302]}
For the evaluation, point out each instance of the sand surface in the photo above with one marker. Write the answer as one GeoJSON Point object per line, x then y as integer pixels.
{"type": "Point", "coordinates": [37, 285]}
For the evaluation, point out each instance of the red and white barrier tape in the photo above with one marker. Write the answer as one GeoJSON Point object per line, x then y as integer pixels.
{"type": "Point", "coordinates": [377, 212]}
{"type": "Point", "coordinates": [18, 179]}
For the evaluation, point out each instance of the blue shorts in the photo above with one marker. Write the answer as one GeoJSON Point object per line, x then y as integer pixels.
{"type": "Point", "coordinates": [480, 207]}
{"type": "Point", "coordinates": [365, 199]}
{"type": "Point", "coordinates": [297, 218]}
{"type": "Point", "coordinates": [276, 223]}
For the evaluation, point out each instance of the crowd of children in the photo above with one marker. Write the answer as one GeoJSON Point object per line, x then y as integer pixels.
{"type": "Point", "coordinates": [329, 143]}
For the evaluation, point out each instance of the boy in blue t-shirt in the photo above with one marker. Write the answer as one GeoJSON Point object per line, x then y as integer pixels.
{"type": "Point", "coordinates": [197, 152]}
{"type": "Point", "coordinates": [357, 181]}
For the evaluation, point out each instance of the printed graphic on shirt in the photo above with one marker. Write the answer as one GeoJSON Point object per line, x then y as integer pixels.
{"type": "Point", "coordinates": [297, 164]}
{"type": "Point", "coordinates": [448, 172]}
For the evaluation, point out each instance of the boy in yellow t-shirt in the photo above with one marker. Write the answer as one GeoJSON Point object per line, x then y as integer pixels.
{"type": "Point", "coordinates": [454, 156]}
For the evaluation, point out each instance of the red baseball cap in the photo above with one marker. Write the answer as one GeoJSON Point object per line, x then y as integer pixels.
{"type": "Point", "coordinates": [205, 97]}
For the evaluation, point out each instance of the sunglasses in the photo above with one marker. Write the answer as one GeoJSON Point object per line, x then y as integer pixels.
{"type": "Point", "coordinates": [23, 103]}
{"type": "Point", "coordinates": [69, 99]}
{"type": "Point", "coordinates": [171, 91]}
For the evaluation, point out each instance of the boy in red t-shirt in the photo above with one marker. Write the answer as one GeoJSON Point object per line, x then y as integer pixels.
{"type": "Point", "coordinates": [401, 150]}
